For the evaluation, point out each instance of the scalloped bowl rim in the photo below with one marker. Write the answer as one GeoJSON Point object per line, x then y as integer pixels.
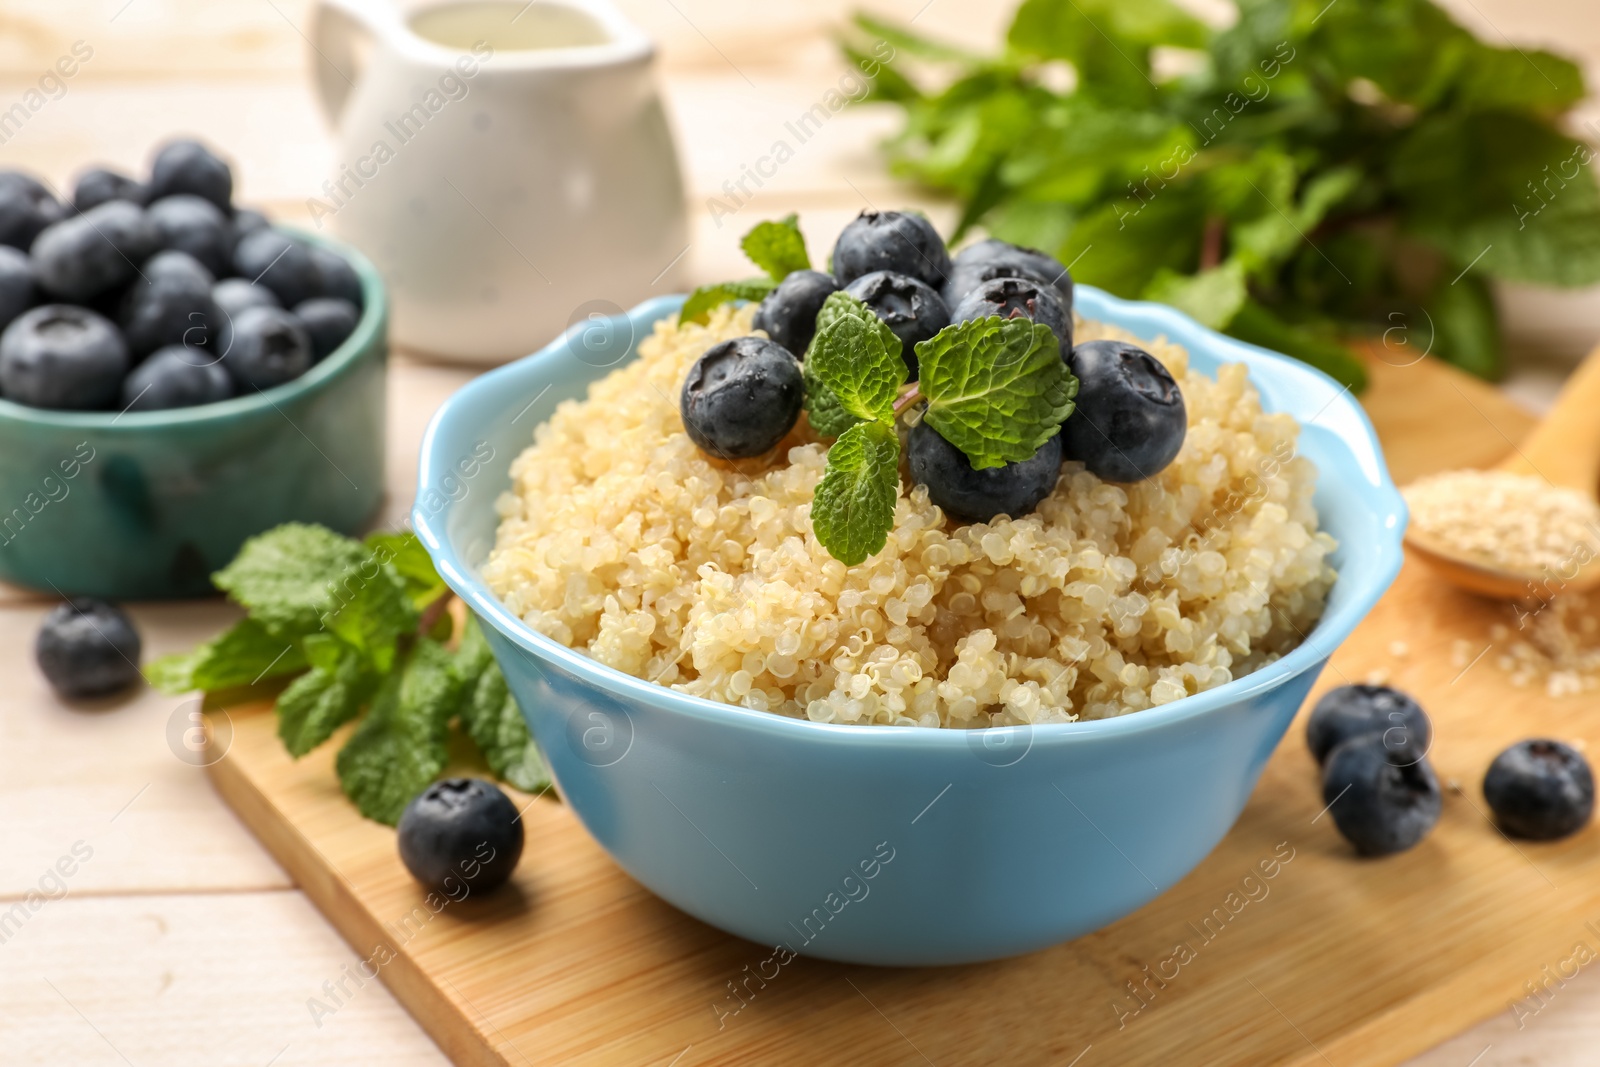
{"type": "Point", "coordinates": [374, 309]}
{"type": "Point", "coordinates": [1331, 629]}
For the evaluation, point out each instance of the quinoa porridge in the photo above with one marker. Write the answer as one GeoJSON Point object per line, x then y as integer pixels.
{"type": "Point", "coordinates": [623, 540]}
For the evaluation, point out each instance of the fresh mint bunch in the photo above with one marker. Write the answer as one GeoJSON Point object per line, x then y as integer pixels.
{"type": "Point", "coordinates": [361, 627]}
{"type": "Point", "coordinates": [778, 248]}
{"type": "Point", "coordinates": [1321, 173]}
{"type": "Point", "coordinates": [995, 388]}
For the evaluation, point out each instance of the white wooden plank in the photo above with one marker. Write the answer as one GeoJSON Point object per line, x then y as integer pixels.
{"type": "Point", "coordinates": [218, 980]}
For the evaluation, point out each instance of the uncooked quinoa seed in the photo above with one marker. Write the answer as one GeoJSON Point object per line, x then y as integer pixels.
{"type": "Point", "coordinates": [1512, 522]}
{"type": "Point", "coordinates": [621, 539]}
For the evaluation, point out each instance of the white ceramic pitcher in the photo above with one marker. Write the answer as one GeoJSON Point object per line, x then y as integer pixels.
{"type": "Point", "coordinates": [507, 165]}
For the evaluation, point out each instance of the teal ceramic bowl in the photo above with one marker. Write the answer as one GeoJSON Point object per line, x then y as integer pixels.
{"type": "Point", "coordinates": [148, 504]}
{"type": "Point", "coordinates": [892, 845]}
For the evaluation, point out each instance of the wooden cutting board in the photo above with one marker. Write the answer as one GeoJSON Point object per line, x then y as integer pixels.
{"type": "Point", "coordinates": [1332, 960]}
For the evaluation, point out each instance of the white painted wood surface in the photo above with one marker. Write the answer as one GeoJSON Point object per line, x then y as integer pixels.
{"type": "Point", "coordinates": [180, 941]}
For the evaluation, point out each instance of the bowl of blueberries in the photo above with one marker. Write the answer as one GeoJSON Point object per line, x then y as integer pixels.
{"type": "Point", "coordinates": [176, 375]}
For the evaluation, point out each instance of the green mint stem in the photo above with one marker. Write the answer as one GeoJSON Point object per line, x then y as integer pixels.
{"type": "Point", "coordinates": [911, 396]}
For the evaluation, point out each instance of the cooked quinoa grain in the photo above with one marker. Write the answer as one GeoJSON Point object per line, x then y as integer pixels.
{"type": "Point", "coordinates": [621, 539]}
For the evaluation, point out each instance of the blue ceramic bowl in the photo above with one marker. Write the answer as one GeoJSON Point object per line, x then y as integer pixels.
{"type": "Point", "coordinates": [149, 503]}
{"type": "Point", "coordinates": [892, 845]}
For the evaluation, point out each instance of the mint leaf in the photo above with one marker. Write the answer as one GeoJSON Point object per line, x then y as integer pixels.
{"type": "Point", "coordinates": [490, 715]}
{"type": "Point", "coordinates": [411, 562]}
{"type": "Point", "coordinates": [853, 509]}
{"type": "Point", "coordinates": [284, 578]}
{"type": "Point", "coordinates": [323, 699]}
{"type": "Point", "coordinates": [703, 299]}
{"type": "Point", "coordinates": [823, 408]}
{"type": "Point", "coordinates": [371, 610]}
{"type": "Point", "coordinates": [997, 388]}
{"type": "Point", "coordinates": [493, 720]}
{"type": "Point", "coordinates": [401, 745]}
{"type": "Point", "coordinates": [1211, 297]}
{"type": "Point", "coordinates": [778, 248]}
{"type": "Point", "coordinates": [1468, 329]}
{"type": "Point", "coordinates": [857, 357]}
{"type": "Point", "coordinates": [473, 654]}
{"type": "Point", "coordinates": [244, 655]}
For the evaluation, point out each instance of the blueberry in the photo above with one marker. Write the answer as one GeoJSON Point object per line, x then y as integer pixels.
{"type": "Point", "coordinates": [247, 221]}
{"type": "Point", "coordinates": [81, 257]}
{"type": "Point", "coordinates": [62, 356]}
{"type": "Point", "coordinates": [335, 276]}
{"type": "Point", "coordinates": [1012, 298]}
{"type": "Point", "coordinates": [193, 225]}
{"type": "Point", "coordinates": [1383, 798]}
{"type": "Point", "coordinates": [170, 304]}
{"type": "Point", "coordinates": [100, 184]}
{"type": "Point", "coordinates": [1540, 789]}
{"type": "Point", "coordinates": [233, 295]}
{"type": "Point", "coordinates": [1354, 710]}
{"type": "Point", "coordinates": [789, 313]}
{"type": "Point", "coordinates": [1129, 420]}
{"type": "Point", "coordinates": [897, 241]}
{"type": "Point", "coordinates": [176, 377]}
{"type": "Point", "coordinates": [190, 167]}
{"type": "Point", "coordinates": [741, 397]}
{"type": "Point", "coordinates": [87, 648]}
{"type": "Point", "coordinates": [328, 320]}
{"type": "Point", "coordinates": [280, 263]}
{"type": "Point", "coordinates": [17, 290]}
{"type": "Point", "coordinates": [910, 308]}
{"type": "Point", "coordinates": [264, 346]}
{"type": "Point", "coordinates": [969, 495]}
{"type": "Point", "coordinates": [26, 208]}
{"type": "Point", "coordinates": [993, 258]}
{"type": "Point", "coordinates": [461, 832]}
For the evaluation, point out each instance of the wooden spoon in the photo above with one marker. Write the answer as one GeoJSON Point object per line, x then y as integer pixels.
{"type": "Point", "coordinates": [1563, 451]}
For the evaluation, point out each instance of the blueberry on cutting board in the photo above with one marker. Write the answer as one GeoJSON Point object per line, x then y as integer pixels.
{"type": "Point", "coordinates": [1383, 798]}
{"type": "Point", "coordinates": [88, 648]}
{"type": "Point", "coordinates": [1352, 710]}
{"type": "Point", "coordinates": [1540, 789]}
{"type": "Point", "coordinates": [461, 831]}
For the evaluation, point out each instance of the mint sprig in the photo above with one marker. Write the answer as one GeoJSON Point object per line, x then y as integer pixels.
{"type": "Point", "coordinates": [996, 388]}
{"type": "Point", "coordinates": [853, 509]}
{"type": "Point", "coordinates": [858, 357]}
{"type": "Point", "coordinates": [703, 299]}
{"type": "Point", "coordinates": [358, 628]}
{"type": "Point", "coordinates": [778, 248]}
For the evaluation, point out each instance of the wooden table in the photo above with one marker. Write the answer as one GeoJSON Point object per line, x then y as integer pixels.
{"type": "Point", "coordinates": [179, 941]}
